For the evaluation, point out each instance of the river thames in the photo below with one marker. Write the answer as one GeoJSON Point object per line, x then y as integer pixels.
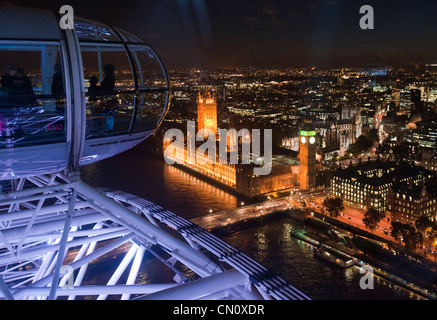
{"type": "Point", "coordinates": [142, 173]}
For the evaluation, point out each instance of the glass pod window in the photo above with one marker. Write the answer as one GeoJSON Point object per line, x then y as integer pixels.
{"type": "Point", "coordinates": [32, 94]}
{"type": "Point", "coordinates": [110, 89]}
{"type": "Point", "coordinates": [152, 87]}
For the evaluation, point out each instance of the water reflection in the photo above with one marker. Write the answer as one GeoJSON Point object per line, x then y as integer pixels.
{"type": "Point", "coordinates": [138, 172]}
{"type": "Point", "coordinates": [262, 245]}
{"type": "Point", "coordinates": [294, 260]}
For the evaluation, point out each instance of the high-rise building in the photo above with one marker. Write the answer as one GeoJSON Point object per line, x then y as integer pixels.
{"type": "Point", "coordinates": [405, 102]}
{"type": "Point", "coordinates": [416, 100]}
{"type": "Point", "coordinates": [424, 133]}
{"type": "Point", "coordinates": [307, 157]}
{"type": "Point", "coordinates": [207, 110]}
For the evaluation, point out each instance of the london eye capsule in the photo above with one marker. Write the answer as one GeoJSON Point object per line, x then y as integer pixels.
{"type": "Point", "coordinates": [75, 96]}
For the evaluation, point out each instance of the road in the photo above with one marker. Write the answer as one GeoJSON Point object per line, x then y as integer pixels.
{"type": "Point", "coordinates": [221, 219]}
{"type": "Point", "coordinates": [296, 200]}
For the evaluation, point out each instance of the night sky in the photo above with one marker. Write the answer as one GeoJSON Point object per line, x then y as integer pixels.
{"type": "Point", "coordinates": [267, 33]}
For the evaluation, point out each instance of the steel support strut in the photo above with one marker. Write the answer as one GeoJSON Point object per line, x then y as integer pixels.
{"type": "Point", "coordinates": [53, 223]}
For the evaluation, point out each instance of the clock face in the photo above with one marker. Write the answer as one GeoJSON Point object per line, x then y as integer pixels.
{"type": "Point", "coordinates": [312, 140]}
{"type": "Point", "coordinates": [303, 140]}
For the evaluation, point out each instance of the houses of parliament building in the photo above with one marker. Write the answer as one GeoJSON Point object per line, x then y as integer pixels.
{"type": "Point", "coordinates": [286, 172]}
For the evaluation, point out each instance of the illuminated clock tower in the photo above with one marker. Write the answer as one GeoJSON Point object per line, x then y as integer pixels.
{"type": "Point", "coordinates": [307, 157]}
{"type": "Point", "coordinates": [207, 111]}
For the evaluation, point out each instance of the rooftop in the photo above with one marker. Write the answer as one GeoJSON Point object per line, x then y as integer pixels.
{"type": "Point", "coordinates": [416, 190]}
{"type": "Point", "coordinates": [378, 173]}
{"type": "Point", "coordinates": [282, 160]}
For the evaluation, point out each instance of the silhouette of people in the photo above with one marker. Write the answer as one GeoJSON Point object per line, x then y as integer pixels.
{"type": "Point", "coordinates": [108, 87]}
{"type": "Point", "coordinates": [8, 80]}
{"type": "Point", "coordinates": [103, 111]}
{"type": "Point", "coordinates": [93, 89]}
{"type": "Point", "coordinates": [96, 110]}
{"type": "Point", "coordinates": [58, 81]}
{"type": "Point", "coordinates": [58, 87]}
{"type": "Point", "coordinates": [22, 83]}
{"type": "Point", "coordinates": [23, 86]}
{"type": "Point", "coordinates": [108, 84]}
{"type": "Point", "coordinates": [17, 86]}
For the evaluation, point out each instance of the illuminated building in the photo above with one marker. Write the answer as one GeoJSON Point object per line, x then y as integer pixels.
{"type": "Point", "coordinates": [284, 172]}
{"type": "Point", "coordinates": [207, 110]}
{"type": "Point", "coordinates": [240, 177]}
{"type": "Point", "coordinates": [284, 175]}
{"type": "Point", "coordinates": [333, 136]}
{"type": "Point", "coordinates": [429, 159]}
{"type": "Point", "coordinates": [291, 143]}
{"type": "Point", "coordinates": [424, 133]}
{"type": "Point", "coordinates": [346, 135]}
{"type": "Point", "coordinates": [324, 113]}
{"type": "Point", "coordinates": [307, 157]}
{"type": "Point", "coordinates": [406, 202]}
{"type": "Point", "coordinates": [223, 173]}
{"type": "Point", "coordinates": [365, 185]}
{"type": "Point", "coordinates": [405, 102]}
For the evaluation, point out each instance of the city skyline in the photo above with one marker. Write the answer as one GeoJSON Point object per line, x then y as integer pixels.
{"type": "Point", "coordinates": [224, 34]}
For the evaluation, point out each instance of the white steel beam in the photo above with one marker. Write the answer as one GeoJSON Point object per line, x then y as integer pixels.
{"type": "Point", "coordinates": [202, 287]}
{"type": "Point", "coordinates": [94, 290]}
{"type": "Point", "coordinates": [71, 224]}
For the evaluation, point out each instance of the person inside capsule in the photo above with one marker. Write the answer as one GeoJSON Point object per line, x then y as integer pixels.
{"type": "Point", "coordinates": [18, 87]}
{"type": "Point", "coordinates": [6, 90]}
{"type": "Point", "coordinates": [57, 87]}
{"type": "Point", "coordinates": [24, 89]}
{"type": "Point", "coordinates": [108, 84]}
{"type": "Point", "coordinates": [103, 115]}
{"type": "Point", "coordinates": [58, 80]}
{"type": "Point", "coordinates": [7, 81]}
{"type": "Point", "coordinates": [108, 87]}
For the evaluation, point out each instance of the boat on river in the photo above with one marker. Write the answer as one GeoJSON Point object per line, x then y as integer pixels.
{"type": "Point", "coordinates": [335, 257]}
